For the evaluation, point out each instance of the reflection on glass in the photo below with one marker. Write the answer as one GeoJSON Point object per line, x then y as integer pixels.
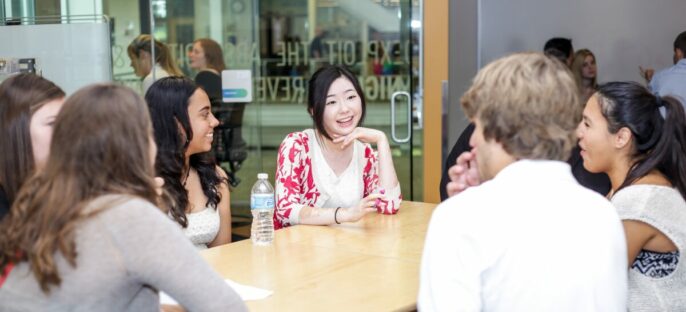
{"type": "Point", "coordinates": [283, 42]}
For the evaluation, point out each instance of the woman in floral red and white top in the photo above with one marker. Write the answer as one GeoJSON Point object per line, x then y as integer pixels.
{"type": "Point", "coordinates": [331, 174]}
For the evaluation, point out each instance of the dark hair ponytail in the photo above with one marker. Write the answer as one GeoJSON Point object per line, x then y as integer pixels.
{"type": "Point", "coordinates": [658, 125]}
{"type": "Point", "coordinates": [163, 55]}
{"type": "Point", "coordinates": [669, 154]}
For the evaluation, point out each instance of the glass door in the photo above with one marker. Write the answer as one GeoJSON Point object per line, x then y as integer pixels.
{"type": "Point", "coordinates": [374, 39]}
{"type": "Point", "coordinates": [283, 42]}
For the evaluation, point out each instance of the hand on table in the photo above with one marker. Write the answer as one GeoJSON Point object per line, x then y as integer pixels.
{"type": "Point", "coordinates": [365, 206]}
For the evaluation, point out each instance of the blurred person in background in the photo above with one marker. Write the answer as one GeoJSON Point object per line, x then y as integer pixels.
{"type": "Point", "coordinates": [140, 53]}
{"type": "Point", "coordinates": [585, 72]}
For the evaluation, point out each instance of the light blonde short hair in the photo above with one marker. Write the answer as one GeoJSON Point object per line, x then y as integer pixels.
{"type": "Point", "coordinates": [527, 102]}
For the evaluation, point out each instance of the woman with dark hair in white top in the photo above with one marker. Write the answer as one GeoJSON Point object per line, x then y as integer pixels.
{"type": "Point", "coordinates": [639, 140]}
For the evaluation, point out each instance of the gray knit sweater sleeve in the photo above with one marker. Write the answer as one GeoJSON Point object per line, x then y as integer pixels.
{"type": "Point", "coordinates": [155, 252]}
{"type": "Point", "coordinates": [664, 209]}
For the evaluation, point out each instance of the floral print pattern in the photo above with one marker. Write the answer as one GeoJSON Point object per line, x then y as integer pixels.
{"type": "Point", "coordinates": [295, 184]}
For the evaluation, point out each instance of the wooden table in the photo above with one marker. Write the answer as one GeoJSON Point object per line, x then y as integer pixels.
{"type": "Point", "coordinates": [370, 265]}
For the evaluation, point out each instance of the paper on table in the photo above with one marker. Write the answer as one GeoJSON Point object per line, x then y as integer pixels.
{"type": "Point", "coordinates": [246, 292]}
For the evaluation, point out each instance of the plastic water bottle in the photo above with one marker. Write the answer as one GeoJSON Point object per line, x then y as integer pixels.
{"type": "Point", "coordinates": [262, 208]}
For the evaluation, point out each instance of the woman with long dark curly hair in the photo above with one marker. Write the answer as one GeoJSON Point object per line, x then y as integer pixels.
{"type": "Point", "coordinates": [196, 188]}
{"type": "Point", "coordinates": [84, 233]}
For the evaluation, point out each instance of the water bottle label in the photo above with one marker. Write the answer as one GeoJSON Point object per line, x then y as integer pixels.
{"type": "Point", "coordinates": [262, 201]}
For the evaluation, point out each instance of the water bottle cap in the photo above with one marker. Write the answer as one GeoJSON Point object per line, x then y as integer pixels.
{"type": "Point", "coordinates": [263, 176]}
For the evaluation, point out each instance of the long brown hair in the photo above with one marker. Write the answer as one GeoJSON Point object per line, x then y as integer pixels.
{"type": "Point", "coordinates": [100, 145]}
{"type": "Point", "coordinates": [213, 54]}
{"type": "Point", "coordinates": [163, 56]}
{"type": "Point", "coordinates": [20, 97]}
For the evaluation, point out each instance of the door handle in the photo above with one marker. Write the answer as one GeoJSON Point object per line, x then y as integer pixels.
{"type": "Point", "coordinates": [409, 117]}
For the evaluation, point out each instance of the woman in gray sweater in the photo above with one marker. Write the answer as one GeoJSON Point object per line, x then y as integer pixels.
{"type": "Point", "coordinates": [639, 140]}
{"type": "Point", "coordinates": [85, 235]}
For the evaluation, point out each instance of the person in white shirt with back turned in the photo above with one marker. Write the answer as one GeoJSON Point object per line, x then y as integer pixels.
{"type": "Point", "coordinates": [525, 236]}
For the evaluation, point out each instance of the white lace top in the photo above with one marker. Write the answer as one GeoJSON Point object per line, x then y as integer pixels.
{"type": "Point", "coordinates": [203, 227]}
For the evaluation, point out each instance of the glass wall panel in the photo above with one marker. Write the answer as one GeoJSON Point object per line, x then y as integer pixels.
{"type": "Point", "coordinates": [283, 42]}
{"type": "Point", "coordinates": [71, 50]}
